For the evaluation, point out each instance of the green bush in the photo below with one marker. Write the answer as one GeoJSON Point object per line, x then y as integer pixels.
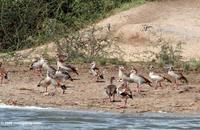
{"type": "Point", "coordinates": [25, 23]}
{"type": "Point", "coordinates": [169, 54]}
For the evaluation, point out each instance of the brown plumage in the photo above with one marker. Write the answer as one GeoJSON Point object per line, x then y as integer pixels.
{"type": "Point", "coordinates": [139, 79]}
{"type": "Point", "coordinates": [177, 76]}
{"type": "Point", "coordinates": [67, 67]}
{"type": "Point", "coordinates": [125, 92]}
{"type": "Point", "coordinates": [95, 71]}
{"type": "Point", "coordinates": [3, 74]}
{"type": "Point", "coordinates": [73, 69]}
{"type": "Point", "coordinates": [147, 81]}
{"type": "Point", "coordinates": [111, 89]}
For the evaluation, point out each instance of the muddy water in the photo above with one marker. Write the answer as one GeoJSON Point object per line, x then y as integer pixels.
{"type": "Point", "coordinates": [25, 118]}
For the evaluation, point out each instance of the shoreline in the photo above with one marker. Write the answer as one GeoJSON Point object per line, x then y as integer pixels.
{"type": "Point", "coordinates": [96, 111]}
{"type": "Point", "coordinates": [85, 94]}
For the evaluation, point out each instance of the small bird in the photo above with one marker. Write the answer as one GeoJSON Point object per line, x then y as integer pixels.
{"type": "Point", "coordinates": [95, 71]}
{"type": "Point", "coordinates": [111, 89]}
{"type": "Point", "coordinates": [139, 79]}
{"type": "Point", "coordinates": [125, 92]}
{"type": "Point", "coordinates": [157, 78]}
{"type": "Point", "coordinates": [3, 73]}
{"type": "Point", "coordinates": [177, 76]}
{"type": "Point", "coordinates": [67, 67]}
{"type": "Point", "coordinates": [37, 66]}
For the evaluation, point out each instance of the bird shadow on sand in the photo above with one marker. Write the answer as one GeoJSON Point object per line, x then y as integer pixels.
{"type": "Point", "coordinates": [70, 86]}
{"type": "Point", "coordinates": [101, 81]}
{"type": "Point", "coordinates": [76, 79]}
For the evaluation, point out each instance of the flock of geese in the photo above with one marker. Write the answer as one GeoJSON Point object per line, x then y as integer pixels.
{"type": "Point", "coordinates": [56, 77]}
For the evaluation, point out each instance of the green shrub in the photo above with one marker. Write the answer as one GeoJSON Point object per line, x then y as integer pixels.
{"type": "Point", "coordinates": [27, 23]}
{"type": "Point", "coordinates": [169, 54]}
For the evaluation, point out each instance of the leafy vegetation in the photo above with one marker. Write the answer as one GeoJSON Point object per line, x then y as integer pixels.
{"type": "Point", "coordinates": [169, 54]}
{"type": "Point", "coordinates": [26, 23]}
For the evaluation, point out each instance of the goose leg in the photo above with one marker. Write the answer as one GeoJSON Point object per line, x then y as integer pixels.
{"type": "Point", "coordinates": [156, 85]}
{"type": "Point", "coordinates": [160, 85]}
{"type": "Point", "coordinates": [46, 88]}
{"type": "Point", "coordinates": [1, 80]}
{"type": "Point", "coordinates": [137, 88]}
{"type": "Point", "coordinates": [114, 98]}
{"type": "Point", "coordinates": [124, 105]}
{"type": "Point", "coordinates": [110, 98]}
{"type": "Point", "coordinates": [97, 79]}
{"type": "Point", "coordinates": [176, 84]}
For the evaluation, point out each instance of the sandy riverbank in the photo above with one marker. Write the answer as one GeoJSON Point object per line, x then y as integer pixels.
{"type": "Point", "coordinates": [86, 94]}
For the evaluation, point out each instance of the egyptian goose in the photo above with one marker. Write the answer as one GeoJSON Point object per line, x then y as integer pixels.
{"type": "Point", "coordinates": [61, 64]}
{"type": "Point", "coordinates": [157, 78]}
{"type": "Point", "coordinates": [139, 79]}
{"type": "Point", "coordinates": [45, 82]}
{"type": "Point", "coordinates": [111, 89]}
{"type": "Point", "coordinates": [48, 68]}
{"type": "Point", "coordinates": [177, 76]}
{"type": "Point", "coordinates": [37, 66]}
{"type": "Point", "coordinates": [122, 75]}
{"type": "Point", "coordinates": [3, 73]}
{"type": "Point", "coordinates": [54, 81]}
{"type": "Point", "coordinates": [95, 71]}
{"type": "Point", "coordinates": [125, 92]}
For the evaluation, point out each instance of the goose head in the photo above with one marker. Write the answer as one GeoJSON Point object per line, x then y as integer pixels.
{"type": "Point", "coordinates": [169, 67]}
{"type": "Point", "coordinates": [93, 64]}
{"type": "Point", "coordinates": [151, 67]}
{"type": "Point", "coordinates": [121, 68]}
{"type": "Point", "coordinates": [62, 57]}
{"type": "Point", "coordinates": [133, 71]}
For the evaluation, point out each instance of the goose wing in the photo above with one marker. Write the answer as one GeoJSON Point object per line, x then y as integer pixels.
{"type": "Point", "coordinates": [72, 68]}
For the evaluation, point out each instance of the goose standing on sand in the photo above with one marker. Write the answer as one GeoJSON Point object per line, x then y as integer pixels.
{"type": "Point", "coordinates": [48, 80]}
{"type": "Point", "coordinates": [139, 79]}
{"type": "Point", "coordinates": [3, 73]}
{"type": "Point", "coordinates": [111, 89]}
{"type": "Point", "coordinates": [62, 65]}
{"type": "Point", "coordinates": [48, 68]}
{"type": "Point", "coordinates": [157, 78]}
{"type": "Point", "coordinates": [122, 75]}
{"type": "Point", "coordinates": [37, 66]}
{"type": "Point", "coordinates": [96, 71]}
{"type": "Point", "coordinates": [60, 75]}
{"type": "Point", "coordinates": [177, 76]}
{"type": "Point", "coordinates": [125, 92]}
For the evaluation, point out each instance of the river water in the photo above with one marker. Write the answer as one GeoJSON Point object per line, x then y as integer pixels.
{"type": "Point", "coordinates": [36, 118]}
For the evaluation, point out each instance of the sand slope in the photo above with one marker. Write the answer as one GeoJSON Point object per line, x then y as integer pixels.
{"type": "Point", "coordinates": [173, 20]}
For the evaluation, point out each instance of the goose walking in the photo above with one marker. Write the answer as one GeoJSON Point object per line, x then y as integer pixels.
{"type": "Point", "coordinates": [45, 82]}
{"type": "Point", "coordinates": [177, 76]}
{"type": "Point", "coordinates": [139, 79]}
{"type": "Point", "coordinates": [36, 66]}
{"type": "Point", "coordinates": [3, 73]}
{"type": "Point", "coordinates": [111, 89]}
{"type": "Point", "coordinates": [67, 67]}
{"type": "Point", "coordinates": [125, 92]}
{"type": "Point", "coordinates": [48, 80]}
{"type": "Point", "coordinates": [157, 78]}
{"type": "Point", "coordinates": [95, 71]}
{"type": "Point", "coordinates": [122, 75]}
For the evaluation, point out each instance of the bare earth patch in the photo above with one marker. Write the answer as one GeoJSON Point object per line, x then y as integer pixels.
{"type": "Point", "coordinates": [171, 20]}
{"type": "Point", "coordinates": [85, 93]}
